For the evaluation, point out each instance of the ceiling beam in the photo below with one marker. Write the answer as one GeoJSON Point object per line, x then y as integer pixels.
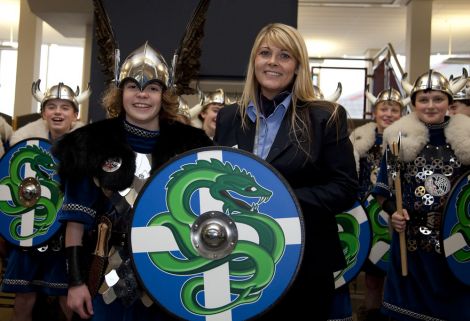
{"type": "Point", "coordinates": [68, 17]}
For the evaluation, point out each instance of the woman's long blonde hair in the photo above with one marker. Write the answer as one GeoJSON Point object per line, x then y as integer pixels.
{"type": "Point", "coordinates": [287, 38]}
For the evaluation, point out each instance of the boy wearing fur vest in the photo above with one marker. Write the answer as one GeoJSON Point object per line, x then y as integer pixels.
{"type": "Point", "coordinates": [387, 107]}
{"type": "Point", "coordinates": [434, 155]}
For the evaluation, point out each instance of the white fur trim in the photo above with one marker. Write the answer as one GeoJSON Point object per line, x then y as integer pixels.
{"type": "Point", "coordinates": [415, 135]}
{"type": "Point", "coordinates": [363, 138]}
{"type": "Point", "coordinates": [37, 128]}
{"type": "Point", "coordinates": [458, 136]}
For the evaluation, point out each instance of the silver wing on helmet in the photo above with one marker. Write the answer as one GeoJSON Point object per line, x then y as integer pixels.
{"type": "Point", "coordinates": [146, 64]}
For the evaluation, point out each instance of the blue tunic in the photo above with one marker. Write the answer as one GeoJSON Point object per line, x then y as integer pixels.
{"type": "Point", "coordinates": [79, 206]}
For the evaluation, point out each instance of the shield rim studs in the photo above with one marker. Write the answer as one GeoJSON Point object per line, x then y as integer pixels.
{"type": "Point", "coordinates": [26, 198]}
{"type": "Point", "coordinates": [218, 225]}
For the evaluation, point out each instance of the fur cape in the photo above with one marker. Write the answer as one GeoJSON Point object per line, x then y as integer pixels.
{"type": "Point", "coordinates": [415, 135]}
{"type": "Point", "coordinates": [363, 138]}
{"type": "Point", "coordinates": [83, 152]}
{"type": "Point", "coordinates": [37, 128]}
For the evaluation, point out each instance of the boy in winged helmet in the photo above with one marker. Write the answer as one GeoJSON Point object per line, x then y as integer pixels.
{"type": "Point", "coordinates": [103, 167]}
{"type": "Point", "coordinates": [434, 153]}
{"type": "Point", "coordinates": [36, 270]}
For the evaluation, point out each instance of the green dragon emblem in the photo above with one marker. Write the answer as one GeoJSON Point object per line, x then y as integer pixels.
{"type": "Point", "coordinates": [349, 231]}
{"type": "Point", "coordinates": [46, 208]}
{"type": "Point", "coordinates": [252, 266]}
{"type": "Point", "coordinates": [463, 224]}
{"type": "Point", "coordinates": [380, 232]}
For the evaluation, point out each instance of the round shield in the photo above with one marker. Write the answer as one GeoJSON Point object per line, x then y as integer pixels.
{"type": "Point", "coordinates": [355, 236]}
{"type": "Point", "coordinates": [30, 197]}
{"type": "Point", "coordinates": [381, 238]}
{"type": "Point", "coordinates": [216, 233]}
{"type": "Point", "coordinates": [456, 230]}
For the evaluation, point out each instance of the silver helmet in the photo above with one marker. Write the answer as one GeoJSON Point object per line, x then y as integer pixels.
{"type": "Point", "coordinates": [434, 80]}
{"type": "Point", "coordinates": [216, 97]}
{"type": "Point", "coordinates": [59, 91]}
{"type": "Point", "coordinates": [390, 94]}
{"type": "Point", "coordinates": [463, 94]}
{"type": "Point", "coordinates": [145, 65]}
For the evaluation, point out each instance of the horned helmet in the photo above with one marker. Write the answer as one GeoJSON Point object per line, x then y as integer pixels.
{"type": "Point", "coordinates": [434, 80]}
{"type": "Point", "coordinates": [60, 91]}
{"type": "Point", "coordinates": [390, 94]}
{"type": "Point", "coordinates": [145, 65]}
{"type": "Point", "coordinates": [318, 93]}
{"type": "Point", "coordinates": [216, 97]}
{"type": "Point", "coordinates": [463, 94]}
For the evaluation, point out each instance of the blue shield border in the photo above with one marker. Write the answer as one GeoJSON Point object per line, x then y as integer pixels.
{"type": "Point", "coordinates": [456, 230]}
{"type": "Point", "coordinates": [6, 218]}
{"type": "Point", "coordinates": [353, 225]}
{"type": "Point", "coordinates": [381, 238]}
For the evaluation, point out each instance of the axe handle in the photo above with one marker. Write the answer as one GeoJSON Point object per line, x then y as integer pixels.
{"type": "Point", "coordinates": [398, 197]}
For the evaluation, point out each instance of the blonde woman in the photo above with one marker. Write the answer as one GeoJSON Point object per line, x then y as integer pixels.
{"type": "Point", "coordinates": [306, 140]}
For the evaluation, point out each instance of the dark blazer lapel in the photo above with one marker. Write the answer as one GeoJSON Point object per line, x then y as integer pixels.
{"type": "Point", "coordinates": [281, 142]}
{"type": "Point", "coordinates": [246, 135]}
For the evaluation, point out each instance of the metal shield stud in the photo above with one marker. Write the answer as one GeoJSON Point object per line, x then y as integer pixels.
{"type": "Point", "coordinates": [29, 191]}
{"type": "Point", "coordinates": [214, 235]}
{"type": "Point", "coordinates": [112, 164]}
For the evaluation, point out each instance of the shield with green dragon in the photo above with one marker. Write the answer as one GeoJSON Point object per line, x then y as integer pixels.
{"type": "Point", "coordinates": [381, 238]}
{"type": "Point", "coordinates": [355, 237]}
{"type": "Point", "coordinates": [30, 197]}
{"type": "Point", "coordinates": [217, 234]}
{"type": "Point", "coordinates": [456, 230]}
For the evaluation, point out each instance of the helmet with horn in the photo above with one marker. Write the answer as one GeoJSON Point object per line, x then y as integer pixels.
{"type": "Point", "coordinates": [216, 97]}
{"type": "Point", "coordinates": [145, 65]}
{"type": "Point", "coordinates": [390, 94]}
{"type": "Point", "coordinates": [463, 94]}
{"type": "Point", "coordinates": [434, 80]}
{"type": "Point", "coordinates": [333, 98]}
{"type": "Point", "coordinates": [59, 91]}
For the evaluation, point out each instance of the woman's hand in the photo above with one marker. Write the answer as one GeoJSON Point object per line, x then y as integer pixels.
{"type": "Point", "coordinates": [399, 221]}
{"type": "Point", "coordinates": [79, 301]}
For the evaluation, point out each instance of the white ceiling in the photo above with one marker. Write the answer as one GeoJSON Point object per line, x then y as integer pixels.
{"type": "Point", "coordinates": [331, 28]}
{"type": "Point", "coordinates": [335, 28]}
